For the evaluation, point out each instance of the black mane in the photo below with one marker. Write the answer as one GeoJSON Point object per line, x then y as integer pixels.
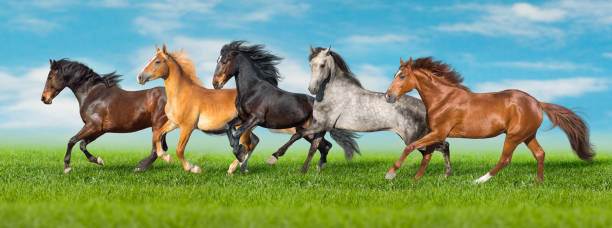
{"type": "Point", "coordinates": [76, 73]}
{"type": "Point", "coordinates": [340, 63]}
{"type": "Point", "coordinates": [262, 58]}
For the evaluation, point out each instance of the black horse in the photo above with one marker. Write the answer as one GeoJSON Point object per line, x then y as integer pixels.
{"type": "Point", "coordinates": [261, 103]}
{"type": "Point", "coordinates": [105, 107]}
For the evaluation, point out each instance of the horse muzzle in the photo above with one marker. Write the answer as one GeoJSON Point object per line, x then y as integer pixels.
{"type": "Point", "coordinates": [390, 98]}
{"type": "Point", "coordinates": [45, 100]}
{"type": "Point", "coordinates": [142, 79]}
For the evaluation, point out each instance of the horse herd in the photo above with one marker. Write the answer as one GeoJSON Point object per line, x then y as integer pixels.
{"type": "Point", "coordinates": [341, 106]}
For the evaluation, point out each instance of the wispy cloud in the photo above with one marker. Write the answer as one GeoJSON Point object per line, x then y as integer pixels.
{"type": "Point", "coordinates": [21, 107]}
{"type": "Point", "coordinates": [551, 65]}
{"type": "Point", "coordinates": [520, 19]}
{"type": "Point", "coordinates": [532, 21]}
{"type": "Point", "coordinates": [607, 55]}
{"type": "Point", "coordinates": [549, 90]}
{"type": "Point", "coordinates": [32, 25]}
{"type": "Point", "coordinates": [376, 39]}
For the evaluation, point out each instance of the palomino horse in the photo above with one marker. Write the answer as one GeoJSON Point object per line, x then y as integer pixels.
{"type": "Point", "coordinates": [104, 107]}
{"type": "Point", "coordinates": [454, 111]}
{"type": "Point", "coordinates": [189, 104]}
{"type": "Point", "coordinates": [261, 103]}
{"type": "Point", "coordinates": [343, 103]}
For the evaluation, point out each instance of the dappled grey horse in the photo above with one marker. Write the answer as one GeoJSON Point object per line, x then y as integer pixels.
{"type": "Point", "coordinates": [342, 103]}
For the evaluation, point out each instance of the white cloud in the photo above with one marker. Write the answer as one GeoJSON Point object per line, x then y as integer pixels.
{"type": "Point", "coordinates": [372, 78]}
{"type": "Point", "coordinates": [270, 9]}
{"type": "Point", "coordinates": [520, 19]}
{"type": "Point", "coordinates": [562, 65]}
{"type": "Point", "coordinates": [385, 38]}
{"type": "Point", "coordinates": [607, 55]}
{"type": "Point", "coordinates": [531, 21]}
{"type": "Point", "coordinates": [535, 13]}
{"type": "Point", "coordinates": [33, 25]}
{"type": "Point", "coordinates": [149, 26]}
{"type": "Point", "coordinates": [549, 90]}
{"type": "Point", "coordinates": [112, 3]}
{"type": "Point", "coordinates": [21, 107]}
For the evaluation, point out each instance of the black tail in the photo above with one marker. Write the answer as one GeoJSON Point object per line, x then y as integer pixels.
{"type": "Point", "coordinates": [346, 139]}
{"type": "Point", "coordinates": [221, 131]}
{"type": "Point", "coordinates": [574, 127]}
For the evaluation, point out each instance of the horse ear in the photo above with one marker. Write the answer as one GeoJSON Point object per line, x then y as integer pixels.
{"type": "Point", "coordinates": [50, 62]}
{"type": "Point", "coordinates": [164, 49]}
{"type": "Point", "coordinates": [410, 63]}
{"type": "Point", "coordinates": [328, 50]}
{"type": "Point", "coordinates": [401, 61]}
{"type": "Point", "coordinates": [156, 48]}
{"type": "Point", "coordinates": [312, 49]}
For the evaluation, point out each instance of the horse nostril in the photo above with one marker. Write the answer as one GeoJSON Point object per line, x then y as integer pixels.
{"type": "Point", "coordinates": [42, 98]}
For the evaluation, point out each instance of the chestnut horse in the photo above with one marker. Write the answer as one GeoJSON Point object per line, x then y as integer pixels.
{"type": "Point", "coordinates": [104, 107]}
{"type": "Point", "coordinates": [454, 111]}
{"type": "Point", "coordinates": [190, 106]}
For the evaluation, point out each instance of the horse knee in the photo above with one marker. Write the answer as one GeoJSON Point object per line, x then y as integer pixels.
{"type": "Point", "coordinates": [83, 145]}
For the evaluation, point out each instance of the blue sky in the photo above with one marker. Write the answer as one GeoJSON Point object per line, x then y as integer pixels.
{"type": "Point", "coordinates": [559, 51]}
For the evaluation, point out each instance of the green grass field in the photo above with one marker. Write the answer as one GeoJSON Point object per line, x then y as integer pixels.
{"type": "Point", "coordinates": [35, 192]}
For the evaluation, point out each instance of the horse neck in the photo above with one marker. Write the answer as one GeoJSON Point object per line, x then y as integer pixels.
{"type": "Point", "coordinates": [175, 81]}
{"type": "Point", "coordinates": [432, 90]}
{"type": "Point", "coordinates": [342, 81]}
{"type": "Point", "coordinates": [247, 78]}
{"type": "Point", "coordinates": [82, 91]}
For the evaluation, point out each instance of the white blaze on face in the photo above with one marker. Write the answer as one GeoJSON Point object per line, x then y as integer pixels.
{"type": "Point", "coordinates": [145, 66]}
{"type": "Point", "coordinates": [397, 74]}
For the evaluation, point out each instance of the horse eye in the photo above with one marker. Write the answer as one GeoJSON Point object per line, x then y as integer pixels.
{"type": "Point", "coordinates": [402, 77]}
{"type": "Point", "coordinates": [157, 62]}
{"type": "Point", "coordinates": [322, 65]}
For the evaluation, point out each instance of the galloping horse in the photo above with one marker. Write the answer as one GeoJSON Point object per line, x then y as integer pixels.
{"type": "Point", "coordinates": [343, 103]}
{"type": "Point", "coordinates": [454, 111]}
{"type": "Point", "coordinates": [104, 107]}
{"type": "Point", "coordinates": [190, 106]}
{"type": "Point", "coordinates": [261, 103]}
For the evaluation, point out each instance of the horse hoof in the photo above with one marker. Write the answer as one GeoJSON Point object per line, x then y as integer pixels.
{"type": "Point", "coordinates": [67, 170]}
{"type": "Point", "coordinates": [272, 160]}
{"type": "Point", "coordinates": [390, 176]}
{"type": "Point", "coordinates": [482, 179]}
{"type": "Point", "coordinates": [229, 174]}
{"type": "Point", "coordinates": [240, 153]}
{"type": "Point", "coordinates": [195, 169]}
{"type": "Point", "coordinates": [245, 171]}
{"type": "Point", "coordinates": [448, 174]}
{"type": "Point", "coordinates": [322, 166]}
{"type": "Point", "coordinates": [167, 158]}
{"type": "Point", "coordinates": [138, 169]}
{"type": "Point", "coordinates": [304, 170]}
{"type": "Point", "coordinates": [100, 161]}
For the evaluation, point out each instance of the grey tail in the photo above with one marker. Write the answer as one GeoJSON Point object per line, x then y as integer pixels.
{"type": "Point", "coordinates": [346, 139]}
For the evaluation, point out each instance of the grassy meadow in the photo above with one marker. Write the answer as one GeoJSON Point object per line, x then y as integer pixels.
{"type": "Point", "coordinates": [35, 192]}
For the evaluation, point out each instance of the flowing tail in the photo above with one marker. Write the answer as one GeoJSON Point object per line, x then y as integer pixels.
{"type": "Point", "coordinates": [346, 139]}
{"type": "Point", "coordinates": [574, 127]}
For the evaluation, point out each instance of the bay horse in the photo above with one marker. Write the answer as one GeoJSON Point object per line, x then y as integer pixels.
{"type": "Point", "coordinates": [343, 103]}
{"type": "Point", "coordinates": [105, 107]}
{"type": "Point", "coordinates": [454, 111]}
{"type": "Point", "coordinates": [189, 105]}
{"type": "Point", "coordinates": [261, 103]}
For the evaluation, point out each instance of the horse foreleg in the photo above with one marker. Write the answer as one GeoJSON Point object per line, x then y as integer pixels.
{"type": "Point", "coordinates": [252, 143]}
{"type": "Point", "coordinates": [504, 160]}
{"type": "Point", "coordinates": [426, 158]}
{"type": "Point", "coordinates": [427, 140]}
{"type": "Point", "coordinates": [180, 150]}
{"type": "Point", "coordinates": [167, 127]}
{"type": "Point", "coordinates": [240, 150]}
{"type": "Point", "coordinates": [85, 132]}
{"type": "Point", "coordinates": [313, 148]}
{"type": "Point", "coordinates": [83, 147]}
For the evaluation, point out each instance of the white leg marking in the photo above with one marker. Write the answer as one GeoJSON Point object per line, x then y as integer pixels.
{"type": "Point", "coordinates": [483, 179]}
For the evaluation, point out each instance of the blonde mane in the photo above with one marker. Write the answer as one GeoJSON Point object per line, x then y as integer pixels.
{"type": "Point", "coordinates": [186, 64]}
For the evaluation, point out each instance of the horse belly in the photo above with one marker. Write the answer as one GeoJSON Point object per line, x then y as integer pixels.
{"type": "Point", "coordinates": [486, 128]}
{"type": "Point", "coordinates": [209, 123]}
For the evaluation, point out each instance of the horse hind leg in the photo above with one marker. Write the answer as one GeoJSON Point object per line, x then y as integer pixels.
{"type": "Point", "coordinates": [539, 155]}
{"type": "Point", "coordinates": [504, 160]}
